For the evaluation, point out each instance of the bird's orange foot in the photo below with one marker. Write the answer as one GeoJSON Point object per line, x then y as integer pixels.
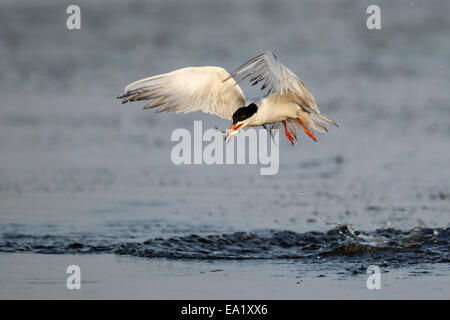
{"type": "Point", "coordinates": [287, 133]}
{"type": "Point", "coordinates": [309, 133]}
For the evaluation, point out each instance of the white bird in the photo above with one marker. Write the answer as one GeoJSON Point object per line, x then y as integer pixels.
{"type": "Point", "coordinates": [213, 90]}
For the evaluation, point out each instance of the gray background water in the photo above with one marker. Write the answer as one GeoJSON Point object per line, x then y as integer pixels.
{"type": "Point", "coordinates": [74, 160]}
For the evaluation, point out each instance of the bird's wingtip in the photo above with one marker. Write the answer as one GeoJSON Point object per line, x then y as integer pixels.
{"type": "Point", "coordinates": [271, 53]}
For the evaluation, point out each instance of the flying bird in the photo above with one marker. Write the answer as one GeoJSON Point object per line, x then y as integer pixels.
{"type": "Point", "coordinates": [213, 90]}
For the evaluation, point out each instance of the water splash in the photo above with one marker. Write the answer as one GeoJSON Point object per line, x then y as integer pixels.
{"type": "Point", "coordinates": [388, 246]}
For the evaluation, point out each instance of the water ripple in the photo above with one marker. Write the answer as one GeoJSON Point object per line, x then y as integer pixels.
{"type": "Point", "coordinates": [388, 246]}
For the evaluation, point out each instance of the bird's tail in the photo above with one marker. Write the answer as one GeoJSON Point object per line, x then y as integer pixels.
{"type": "Point", "coordinates": [318, 122]}
{"type": "Point", "coordinates": [310, 121]}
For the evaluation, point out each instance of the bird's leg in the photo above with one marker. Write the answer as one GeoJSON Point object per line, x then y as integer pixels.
{"type": "Point", "coordinates": [309, 133]}
{"type": "Point", "coordinates": [287, 133]}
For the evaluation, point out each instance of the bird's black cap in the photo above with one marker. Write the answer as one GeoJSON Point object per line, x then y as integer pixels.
{"type": "Point", "coordinates": [244, 113]}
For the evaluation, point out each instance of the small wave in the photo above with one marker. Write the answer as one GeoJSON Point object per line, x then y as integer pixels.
{"type": "Point", "coordinates": [389, 245]}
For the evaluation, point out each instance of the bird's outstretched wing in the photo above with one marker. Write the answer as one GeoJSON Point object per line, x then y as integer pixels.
{"type": "Point", "coordinates": [278, 79]}
{"type": "Point", "coordinates": [187, 90]}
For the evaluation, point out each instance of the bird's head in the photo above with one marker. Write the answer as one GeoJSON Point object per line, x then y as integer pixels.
{"type": "Point", "coordinates": [241, 118]}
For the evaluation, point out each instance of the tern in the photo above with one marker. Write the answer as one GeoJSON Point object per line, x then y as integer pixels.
{"type": "Point", "coordinates": [213, 90]}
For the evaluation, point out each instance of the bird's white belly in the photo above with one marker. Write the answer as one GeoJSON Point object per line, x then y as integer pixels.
{"type": "Point", "coordinates": [272, 111]}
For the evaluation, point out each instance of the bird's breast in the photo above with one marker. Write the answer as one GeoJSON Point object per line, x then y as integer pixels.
{"type": "Point", "coordinates": [273, 110]}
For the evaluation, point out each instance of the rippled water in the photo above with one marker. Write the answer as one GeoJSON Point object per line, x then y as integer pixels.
{"type": "Point", "coordinates": [386, 246]}
{"type": "Point", "coordinates": [81, 174]}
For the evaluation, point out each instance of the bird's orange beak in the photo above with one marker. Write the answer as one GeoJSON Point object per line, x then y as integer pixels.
{"type": "Point", "coordinates": [233, 131]}
{"type": "Point", "coordinates": [236, 126]}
